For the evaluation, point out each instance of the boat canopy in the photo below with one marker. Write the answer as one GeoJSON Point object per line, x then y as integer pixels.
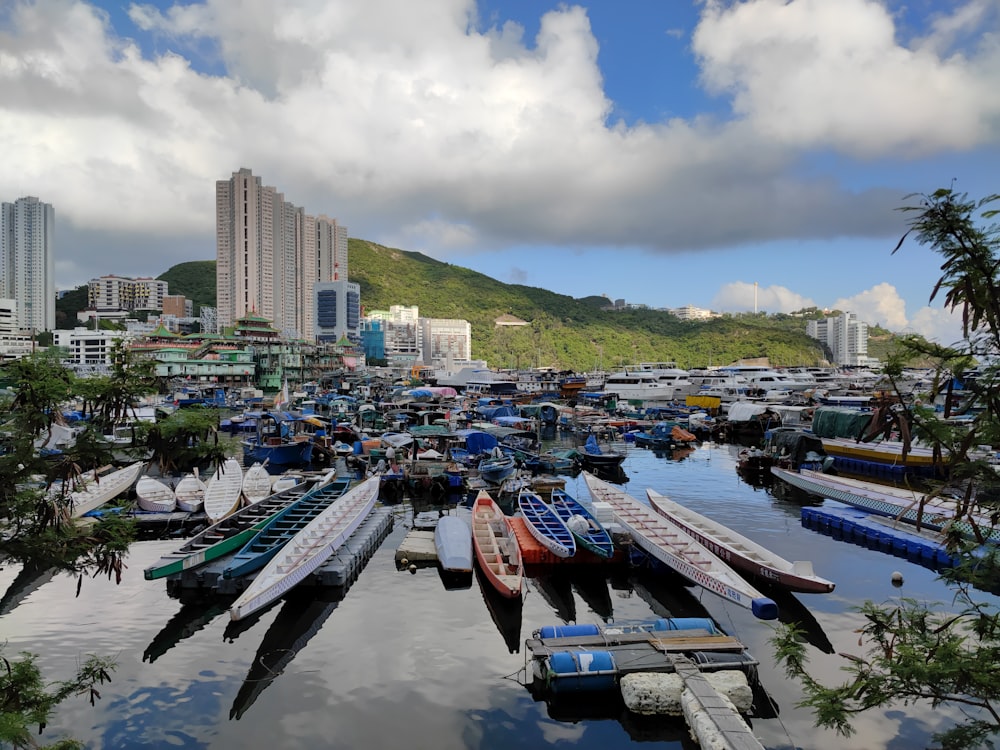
{"type": "Point", "coordinates": [477, 441]}
{"type": "Point", "coordinates": [796, 444]}
{"type": "Point", "coordinates": [840, 421]}
{"type": "Point", "coordinates": [744, 411]}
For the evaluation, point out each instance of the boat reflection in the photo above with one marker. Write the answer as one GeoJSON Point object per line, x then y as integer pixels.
{"type": "Point", "coordinates": [193, 616]}
{"type": "Point", "coordinates": [792, 611]}
{"type": "Point", "coordinates": [300, 618]}
{"type": "Point", "coordinates": [505, 612]}
{"type": "Point", "coordinates": [556, 589]}
{"type": "Point", "coordinates": [592, 587]}
{"type": "Point", "coordinates": [667, 594]}
{"type": "Point", "coordinates": [29, 579]}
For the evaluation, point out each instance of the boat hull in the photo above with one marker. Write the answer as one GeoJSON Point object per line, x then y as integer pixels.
{"type": "Point", "coordinates": [496, 547]}
{"type": "Point", "coordinates": [543, 524]}
{"type": "Point", "coordinates": [740, 553]}
{"type": "Point", "coordinates": [453, 540]}
{"type": "Point", "coordinates": [594, 538]}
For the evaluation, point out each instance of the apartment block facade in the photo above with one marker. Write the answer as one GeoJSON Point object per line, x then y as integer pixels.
{"type": "Point", "coordinates": [845, 335]}
{"type": "Point", "coordinates": [27, 261]}
{"type": "Point", "coordinates": [270, 254]}
{"type": "Point", "coordinates": [115, 293]}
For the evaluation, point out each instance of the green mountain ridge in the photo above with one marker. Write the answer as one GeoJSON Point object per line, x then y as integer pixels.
{"type": "Point", "coordinates": [562, 331]}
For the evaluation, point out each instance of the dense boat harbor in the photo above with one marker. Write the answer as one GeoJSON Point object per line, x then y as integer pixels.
{"type": "Point", "coordinates": [428, 452]}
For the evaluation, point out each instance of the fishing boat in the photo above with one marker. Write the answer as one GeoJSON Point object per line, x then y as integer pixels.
{"type": "Point", "coordinates": [543, 524]}
{"type": "Point", "coordinates": [496, 547]}
{"type": "Point", "coordinates": [155, 495]}
{"type": "Point", "coordinates": [97, 490]}
{"type": "Point", "coordinates": [229, 534]}
{"type": "Point", "coordinates": [278, 441]}
{"type": "Point", "coordinates": [678, 550]}
{"type": "Point", "coordinates": [453, 540]}
{"type": "Point", "coordinates": [223, 490]}
{"type": "Point", "coordinates": [279, 529]}
{"type": "Point", "coordinates": [257, 482]}
{"type": "Point", "coordinates": [308, 549]}
{"type": "Point", "coordinates": [740, 553]}
{"type": "Point", "coordinates": [190, 493]}
{"type": "Point", "coordinates": [934, 513]}
{"type": "Point", "coordinates": [495, 469]}
{"type": "Point", "coordinates": [589, 532]}
{"type": "Point", "coordinates": [594, 458]}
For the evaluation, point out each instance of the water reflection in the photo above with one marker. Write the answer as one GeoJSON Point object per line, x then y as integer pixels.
{"type": "Point", "coordinates": [505, 612]}
{"type": "Point", "coordinates": [29, 579]}
{"type": "Point", "coordinates": [300, 618]}
{"type": "Point", "coordinates": [192, 617]}
{"type": "Point", "coordinates": [555, 588]}
{"type": "Point", "coordinates": [592, 588]}
{"type": "Point", "coordinates": [793, 611]}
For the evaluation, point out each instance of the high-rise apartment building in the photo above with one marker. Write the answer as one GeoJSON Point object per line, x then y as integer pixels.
{"type": "Point", "coordinates": [270, 253]}
{"type": "Point", "coordinates": [113, 293]}
{"type": "Point", "coordinates": [846, 336]}
{"type": "Point", "coordinates": [27, 261]}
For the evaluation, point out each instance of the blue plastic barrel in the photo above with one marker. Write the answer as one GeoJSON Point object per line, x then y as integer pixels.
{"type": "Point", "coordinates": [568, 631]}
{"type": "Point", "coordinates": [578, 671]}
{"type": "Point", "coordinates": [685, 623]}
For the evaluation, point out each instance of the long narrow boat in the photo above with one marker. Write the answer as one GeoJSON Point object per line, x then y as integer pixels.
{"type": "Point", "coordinates": [308, 549]}
{"type": "Point", "coordinates": [743, 554]}
{"type": "Point", "coordinates": [190, 493]}
{"type": "Point", "coordinates": [543, 523]}
{"type": "Point", "coordinates": [589, 532]}
{"type": "Point", "coordinates": [678, 550]}
{"type": "Point", "coordinates": [100, 490]}
{"type": "Point", "coordinates": [280, 529]}
{"type": "Point", "coordinates": [229, 534]}
{"type": "Point", "coordinates": [894, 502]}
{"type": "Point", "coordinates": [497, 550]}
{"type": "Point", "coordinates": [257, 482]}
{"type": "Point", "coordinates": [223, 490]}
{"type": "Point", "coordinates": [155, 495]}
{"type": "Point", "coordinates": [453, 541]}
{"type": "Point", "coordinates": [884, 451]}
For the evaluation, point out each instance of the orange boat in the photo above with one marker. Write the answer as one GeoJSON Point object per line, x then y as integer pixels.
{"type": "Point", "coordinates": [496, 546]}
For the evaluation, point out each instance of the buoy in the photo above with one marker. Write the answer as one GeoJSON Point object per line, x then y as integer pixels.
{"type": "Point", "coordinates": [897, 578]}
{"type": "Point", "coordinates": [413, 569]}
{"type": "Point", "coordinates": [404, 562]}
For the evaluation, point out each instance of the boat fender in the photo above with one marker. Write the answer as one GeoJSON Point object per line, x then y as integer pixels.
{"type": "Point", "coordinates": [764, 608]}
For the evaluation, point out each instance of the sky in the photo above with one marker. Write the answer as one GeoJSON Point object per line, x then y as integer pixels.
{"type": "Point", "coordinates": [728, 155]}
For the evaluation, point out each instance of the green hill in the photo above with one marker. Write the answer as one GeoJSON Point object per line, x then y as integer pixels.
{"type": "Point", "coordinates": [562, 332]}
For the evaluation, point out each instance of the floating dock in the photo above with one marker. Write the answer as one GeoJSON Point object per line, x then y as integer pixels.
{"type": "Point", "coordinates": [874, 532]}
{"type": "Point", "coordinates": [677, 666]}
{"type": "Point", "coordinates": [339, 571]}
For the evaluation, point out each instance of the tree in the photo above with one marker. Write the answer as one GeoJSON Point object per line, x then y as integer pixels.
{"type": "Point", "coordinates": [914, 651]}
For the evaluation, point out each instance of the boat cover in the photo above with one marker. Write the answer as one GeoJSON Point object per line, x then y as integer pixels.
{"type": "Point", "coordinates": [840, 422]}
{"type": "Point", "coordinates": [744, 411]}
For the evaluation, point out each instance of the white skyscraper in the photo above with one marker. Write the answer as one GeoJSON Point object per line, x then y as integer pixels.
{"type": "Point", "coordinates": [27, 262]}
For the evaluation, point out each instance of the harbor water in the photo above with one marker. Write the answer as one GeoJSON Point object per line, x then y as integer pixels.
{"type": "Point", "coordinates": [400, 661]}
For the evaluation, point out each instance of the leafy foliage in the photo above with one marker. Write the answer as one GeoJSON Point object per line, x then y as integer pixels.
{"type": "Point", "coordinates": [195, 280]}
{"type": "Point", "coordinates": [915, 651]}
{"type": "Point", "coordinates": [26, 701]}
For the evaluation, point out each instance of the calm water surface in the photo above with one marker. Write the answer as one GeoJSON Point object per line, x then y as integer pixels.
{"type": "Point", "coordinates": [401, 662]}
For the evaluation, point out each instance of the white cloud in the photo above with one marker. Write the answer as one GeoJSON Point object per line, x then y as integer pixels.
{"type": "Point", "coordinates": [881, 304]}
{"type": "Point", "coordinates": [419, 122]}
{"type": "Point", "coordinates": [816, 73]}
{"type": "Point", "coordinates": [740, 296]}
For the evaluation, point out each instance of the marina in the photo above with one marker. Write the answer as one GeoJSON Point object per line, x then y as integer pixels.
{"type": "Point", "coordinates": [367, 637]}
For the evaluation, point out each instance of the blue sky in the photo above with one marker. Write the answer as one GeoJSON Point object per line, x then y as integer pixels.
{"type": "Point", "coordinates": [667, 153]}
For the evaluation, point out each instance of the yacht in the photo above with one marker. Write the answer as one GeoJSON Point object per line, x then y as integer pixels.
{"type": "Point", "coordinates": [640, 386]}
{"type": "Point", "coordinates": [759, 376]}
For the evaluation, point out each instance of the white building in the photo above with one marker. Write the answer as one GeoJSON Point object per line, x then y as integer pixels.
{"type": "Point", "coordinates": [27, 261]}
{"type": "Point", "coordinates": [445, 340]}
{"type": "Point", "coordinates": [690, 312]}
{"type": "Point", "coordinates": [337, 307]}
{"type": "Point", "coordinates": [88, 350]}
{"type": "Point", "coordinates": [846, 336]}
{"type": "Point", "coordinates": [14, 343]}
{"type": "Point", "coordinates": [110, 294]}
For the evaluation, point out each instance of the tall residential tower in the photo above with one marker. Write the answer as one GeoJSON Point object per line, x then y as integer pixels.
{"type": "Point", "coordinates": [27, 262]}
{"type": "Point", "coordinates": [270, 253]}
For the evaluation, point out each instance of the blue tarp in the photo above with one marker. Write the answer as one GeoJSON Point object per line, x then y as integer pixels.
{"type": "Point", "coordinates": [477, 441]}
{"type": "Point", "coordinates": [492, 412]}
{"type": "Point", "coordinates": [591, 446]}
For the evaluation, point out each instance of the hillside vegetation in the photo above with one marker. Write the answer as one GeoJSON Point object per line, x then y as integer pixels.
{"type": "Point", "coordinates": [562, 332]}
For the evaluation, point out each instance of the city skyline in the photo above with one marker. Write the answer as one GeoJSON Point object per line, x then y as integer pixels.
{"type": "Point", "coordinates": [669, 153]}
